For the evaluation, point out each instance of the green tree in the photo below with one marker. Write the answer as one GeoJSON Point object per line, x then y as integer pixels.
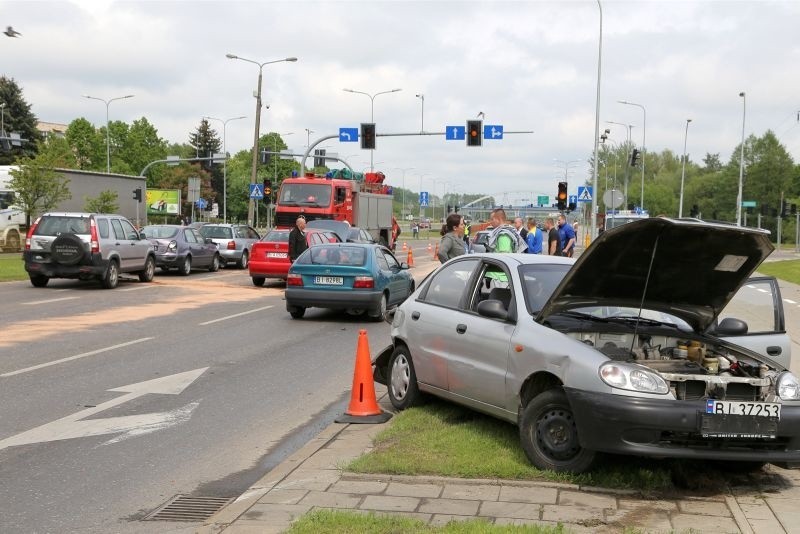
{"type": "Point", "coordinates": [106, 202]}
{"type": "Point", "coordinates": [18, 118]}
{"type": "Point", "coordinates": [39, 187]}
{"type": "Point", "coordinates": [87, 145]}
{"type": "Point", "coordinates": [142, 146]}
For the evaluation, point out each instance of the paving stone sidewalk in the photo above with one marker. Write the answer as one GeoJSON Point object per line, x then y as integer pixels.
{"type": "Point", "coordinates": [312, 479]}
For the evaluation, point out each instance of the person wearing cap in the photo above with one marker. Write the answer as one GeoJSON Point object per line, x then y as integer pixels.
{"type": "Point", "coordinates": [297, 239]}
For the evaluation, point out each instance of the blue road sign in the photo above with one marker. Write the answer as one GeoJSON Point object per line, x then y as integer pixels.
{"type": "Point", "coordinates": [201, 203]}
{"type": "Point", "coordinates": [572, 199]}
{"type": "Point", "coordinates": [423, 199]}
{"type": "Point", "coordinates": [455, 133]}
{"type": "Point", "coordinates": [584, 193]}
{"type": "Point", "coordinates": [256, 191]}
{"type": "Point", "coordinates": [492, 131]}
{"type": "Point", "coordinates": [348, 135]}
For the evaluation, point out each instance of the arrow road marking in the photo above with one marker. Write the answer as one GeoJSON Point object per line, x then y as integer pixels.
{"type": "Point", "coordinates": [72, 426]}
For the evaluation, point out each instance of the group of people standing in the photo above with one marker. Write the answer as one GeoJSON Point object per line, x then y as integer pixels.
{"type": "Point", "coordinates": [507, 238]}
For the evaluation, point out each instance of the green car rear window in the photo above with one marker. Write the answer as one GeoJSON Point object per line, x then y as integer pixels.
{"type": "Point", "coordinates": [327, 255]}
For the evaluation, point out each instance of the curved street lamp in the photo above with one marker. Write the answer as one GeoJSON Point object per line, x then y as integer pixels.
{"type": "Point", "coordinates": [251, 205]}
{"type": "Point", "coordinates": [225, 163]}
{"type": "Point", "coordinates": [644, 141]}
{"type": "Point", "coordinates": [108, 136]}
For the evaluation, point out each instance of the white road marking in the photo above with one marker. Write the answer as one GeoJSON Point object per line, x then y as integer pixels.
{"type": "Point", "coordinates": [235, 315]}
{"type": "Point", "coordinates": [76, 357]}
{"type": "Point", "coordinates": [71, 426]}
{"type": "Point", "coordinates": [790, 301]}
{"type": "Point", "coordinates": [137, 288]}
{"type": "Point", "coordinates": [33, 302]}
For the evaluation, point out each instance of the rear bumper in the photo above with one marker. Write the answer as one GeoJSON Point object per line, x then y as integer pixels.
{"type": "Point", "coordinates": [230, 255]}
{"type": "Point", "coordinates": [334, 300]}
{"type": "Point", "coordinates": [264, 269]}
{"type": "Point", "coordinates": [668, 428]}
{"type": "Point", "coordinates": [96, 266]}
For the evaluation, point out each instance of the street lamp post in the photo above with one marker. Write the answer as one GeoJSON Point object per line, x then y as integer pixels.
{"type": "Point", "coordinates": [225, 164]}
{"type": "Point", "coordinates": [422, 116]}
{"type": "Point", "coordinates": [251, 205]}
{"type": "Point", "coordinates": [403, 209]}
{"type": "Point", "coordinates": [628, 126]}
{"type": "Point", "coordinates": [108, 136]}
{"type": "Point", "coordinates": [741, 164]}
{"type": "Point", "coordinates": [644, 141]}
{"type": "Point", "coordinates": [593, 226]}
{"type": "Point", "coordinates": [683, 168]}
{"type": "Point", "coordinates": [372, 111]}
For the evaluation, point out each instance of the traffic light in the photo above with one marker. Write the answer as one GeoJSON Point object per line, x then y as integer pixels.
{"type": "Point", "coordinates": [561, 197]}
{"type": "Point", "coordinates": [474, 133]}
{"type": "Point", "coordinates": [634, 158]}
{"type": "Point", "coordinates": [267, 192]}
{"type": "Point", "coordinates": [319, 157]}
{"type": "Point", "coordinates": [695, 211]}
{"type": "Point", "coordinates": [792, 209]}
{"type": "Point", "coordinates": [137, 194]}
{"type": "Point", "coordinates": [368, 135]}
{"type": "Point", "coordinates": [449, 208]}
{"type": "Point", "coordinates": [572, 206]}
{"type": "Point", "coordinates": [265, 157]}
{"type": "Point", "coordinates": [459, 207]}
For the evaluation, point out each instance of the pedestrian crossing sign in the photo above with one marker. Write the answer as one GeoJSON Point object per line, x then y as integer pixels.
{"type": "Point", "coordinates": [584, 193]}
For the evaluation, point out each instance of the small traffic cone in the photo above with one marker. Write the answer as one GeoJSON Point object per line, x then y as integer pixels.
{"type": "Point", "coordinates": [436, 252]}
{"type": "Point", "coordinates": [410, 260]}
{"type": "Point", "coordinates": [363, 406]}
{"type": "Point", "coordinates": [405, 246]}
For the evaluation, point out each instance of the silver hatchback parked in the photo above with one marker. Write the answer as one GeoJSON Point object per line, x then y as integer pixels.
{"type": "Point", "coordinates": [86, 246]}
{"type": "Point", "coordinates": [235, 242]}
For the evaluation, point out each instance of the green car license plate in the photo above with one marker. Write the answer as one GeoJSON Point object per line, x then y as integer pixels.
{"type": "Point", "coordinates": [328, 280]}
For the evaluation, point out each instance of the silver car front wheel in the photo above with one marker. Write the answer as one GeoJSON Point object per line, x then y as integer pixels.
{"type": "Point", "coordinates": [403, 389]}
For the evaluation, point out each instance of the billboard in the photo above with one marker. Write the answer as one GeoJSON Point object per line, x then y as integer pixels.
{"type": "Point", "coordinates": [163, 201]}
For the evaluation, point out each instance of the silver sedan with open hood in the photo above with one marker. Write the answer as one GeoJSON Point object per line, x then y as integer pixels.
{"type": "Point", "coordinates": [638, 347]}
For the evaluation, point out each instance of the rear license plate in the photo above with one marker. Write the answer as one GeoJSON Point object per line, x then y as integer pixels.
{"type": "Point", "coordinates": [750, 409]}
{"type": "Point", "coordinates": [276, 255]}
{"type": "Point", "coordinates": [328, 280]}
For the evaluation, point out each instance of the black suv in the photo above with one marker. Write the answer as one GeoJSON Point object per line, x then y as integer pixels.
{"type": "Point", "coordinates": [86, 246]}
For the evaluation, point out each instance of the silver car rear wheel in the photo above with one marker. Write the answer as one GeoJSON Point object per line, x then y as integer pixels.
{"type": "Point", "coordinates": [403, 389]}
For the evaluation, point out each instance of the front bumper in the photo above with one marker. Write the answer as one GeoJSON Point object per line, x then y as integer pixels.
{"type": "Point", "coordinates": [168, 260]}
{"type": "Point", "coordinates": [667, 428]}
{"type": "Point", "coordinates": [334, 300]}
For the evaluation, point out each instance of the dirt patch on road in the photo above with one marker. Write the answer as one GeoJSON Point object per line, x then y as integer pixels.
{"type": "Point", "coordinates": [183, 294]}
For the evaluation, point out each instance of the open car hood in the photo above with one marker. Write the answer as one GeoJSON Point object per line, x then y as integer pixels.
{"type": "Point", "coordinates": [340, 228]}
{"type": "Point", "coordinates": [689, 269]}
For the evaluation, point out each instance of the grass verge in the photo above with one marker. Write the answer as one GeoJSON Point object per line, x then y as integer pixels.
{"type": "Point", "coordinates": [12, 268]}
{"type": "Point", "coordinates": [334, 521]}
{"type": "Point", "coordinates": [788, 270]}
{"type": "Point", "coordinates": [442, 439]}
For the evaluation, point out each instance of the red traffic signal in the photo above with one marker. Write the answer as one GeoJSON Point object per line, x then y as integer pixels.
{"type": "Point", "coordinates": [474, 133]}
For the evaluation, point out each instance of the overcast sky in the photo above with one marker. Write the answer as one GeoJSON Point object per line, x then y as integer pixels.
{"type": "Point", "coordinates": [526, 65]}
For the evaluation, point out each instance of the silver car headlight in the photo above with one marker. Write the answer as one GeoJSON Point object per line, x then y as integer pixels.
{"type": "Point", "coordinates": [788, 387]}
{"type": "Point", "coordinates": [631, 377]}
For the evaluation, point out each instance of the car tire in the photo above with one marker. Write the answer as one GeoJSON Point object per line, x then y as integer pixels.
{"type": "Point", "coordinates": [549, 434]}
{"type": "Point", "coordinates": [296, 312]}
{"type": "Point", "coordinates": [244, 260]}
{"type": "Point", "coordinates": [214, 267]}
{"type": "Point", "coordinates": [67, 249]}
{"type": "Point", "coordinates": [186, 267]}
{"type": "Point", "coordinates": [111, 277]}
{"type": "Point", "coordinates": [258, 281]}
{"type": "Point", "coordinates": [380, 312]}
{"type": "Point", "coordinates": [39, 280]}
{"type": "Point", "coordinates": [149, 270]}
{"type": "Point", "coordinates": [402, 380]}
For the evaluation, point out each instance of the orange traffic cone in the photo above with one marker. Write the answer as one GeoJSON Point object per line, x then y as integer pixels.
{"type": "Point", "coordinates": [410, 260]}
{"type": "Point", "coordinates": [436, 252]}
{"type": "Point", "coordinates": [363, 406]}
{"type": "Point", "coordinates": [405, 246]}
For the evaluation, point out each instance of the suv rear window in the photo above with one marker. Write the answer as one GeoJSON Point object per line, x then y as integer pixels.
{"type": "Point", "coordinates": [54, 225]}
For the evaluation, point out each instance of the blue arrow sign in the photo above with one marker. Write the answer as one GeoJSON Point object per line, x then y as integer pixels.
{"type": "Point", "coordinates": [572, 199]}
{"type": "Point", "coordinates": [455, 133]}
{"type": "Point", "coordinates": [348, 135]}
{"type": "Point", "coordinates": [201, 203]}
{"type": "Point", "coordinates": [423, 199]}
{"type": "Point", "coordinates": [584, 193]}
{"type": "Point", "coordinates": [492, 131]}
{"type": "Point", "coordinates": [256, 191]}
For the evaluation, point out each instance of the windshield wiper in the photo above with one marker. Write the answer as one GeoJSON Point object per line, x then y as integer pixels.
{"type": "Point", "coordinates": [581, 315]}
{"type": "Point", "coordinates": [641, 320]}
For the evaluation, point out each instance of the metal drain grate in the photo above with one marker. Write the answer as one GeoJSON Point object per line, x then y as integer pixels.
{"type": "Point", "coordinates": [189, 508]}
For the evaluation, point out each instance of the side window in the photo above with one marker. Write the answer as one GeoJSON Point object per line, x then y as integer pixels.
{"type": "Point", "coordinates": [493, 284]}
{"type": "Point", "coordinates": [252, 234]}
{"type": "Point", "coordinates": [448, 286]}
{"type": "Point", "coordinates": [315, 239]}
{"type": "Point", "coordinates": [188, 235]}
{"type": "Point", "coordinates": [390, 260]}
{"type": "Point", "coordinates": [382, 263]}
{"type": "Point", "coordinates": [129, 231]}
{"type": "Point", "coordinates": [119, 233]}
{"type": "Point", "coordinates": [341, 194]}
{"type": "Point", "coordinates": [102, 228]}
{"type": "Point", "coordinates": [757, 304]}
{"type": "Point", "coordinates": [198, 236]}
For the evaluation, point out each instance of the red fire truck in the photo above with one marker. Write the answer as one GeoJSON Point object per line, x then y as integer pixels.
{"type": "Point", "coordinates": [360, 199]}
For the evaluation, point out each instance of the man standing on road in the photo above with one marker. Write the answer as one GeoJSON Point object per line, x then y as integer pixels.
{"type": "Point", "coordinates": [520, 226]}
{"type": "Point", "coordinates": [504, 238]}
{"type": "Point", "coordinates": [567, 236]}
{"type": "Point", "coordinates": [553, 239]}
{"type": "Point", "coordinates": [297, 239]}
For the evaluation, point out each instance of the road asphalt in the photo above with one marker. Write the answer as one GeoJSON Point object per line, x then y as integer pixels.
{"type": "Point", "coordinates": [312, 479]}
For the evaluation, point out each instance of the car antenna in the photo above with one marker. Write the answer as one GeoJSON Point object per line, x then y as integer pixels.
{"type": "Point", "coordinates": [644, 291]}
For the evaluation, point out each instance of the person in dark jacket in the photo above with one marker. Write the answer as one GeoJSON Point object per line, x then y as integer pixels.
{"type": "Point", "coordinates": [297, 239]}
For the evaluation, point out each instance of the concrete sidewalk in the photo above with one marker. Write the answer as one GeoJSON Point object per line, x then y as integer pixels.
{"type": "Point", "coordinates": [312, 479]}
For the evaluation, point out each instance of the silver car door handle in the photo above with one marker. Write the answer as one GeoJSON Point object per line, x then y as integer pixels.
{"type": "Point", "coordinates": [415, 316]}
{"type": "Point", "coordinates": [461, 328]}
{"type": "Point", "coordinates": [774, 351]}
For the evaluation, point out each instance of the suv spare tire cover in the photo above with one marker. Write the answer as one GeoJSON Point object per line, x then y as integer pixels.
{"type": "Point", "coordinates": [67, 249]}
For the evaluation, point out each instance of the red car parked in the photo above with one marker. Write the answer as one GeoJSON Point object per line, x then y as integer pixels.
{"type": "Point", "coordinates": [270, 256]}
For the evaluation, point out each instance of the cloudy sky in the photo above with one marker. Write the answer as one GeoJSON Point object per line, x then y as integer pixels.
{"type": "Point", "coordinates": [526, 65]}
